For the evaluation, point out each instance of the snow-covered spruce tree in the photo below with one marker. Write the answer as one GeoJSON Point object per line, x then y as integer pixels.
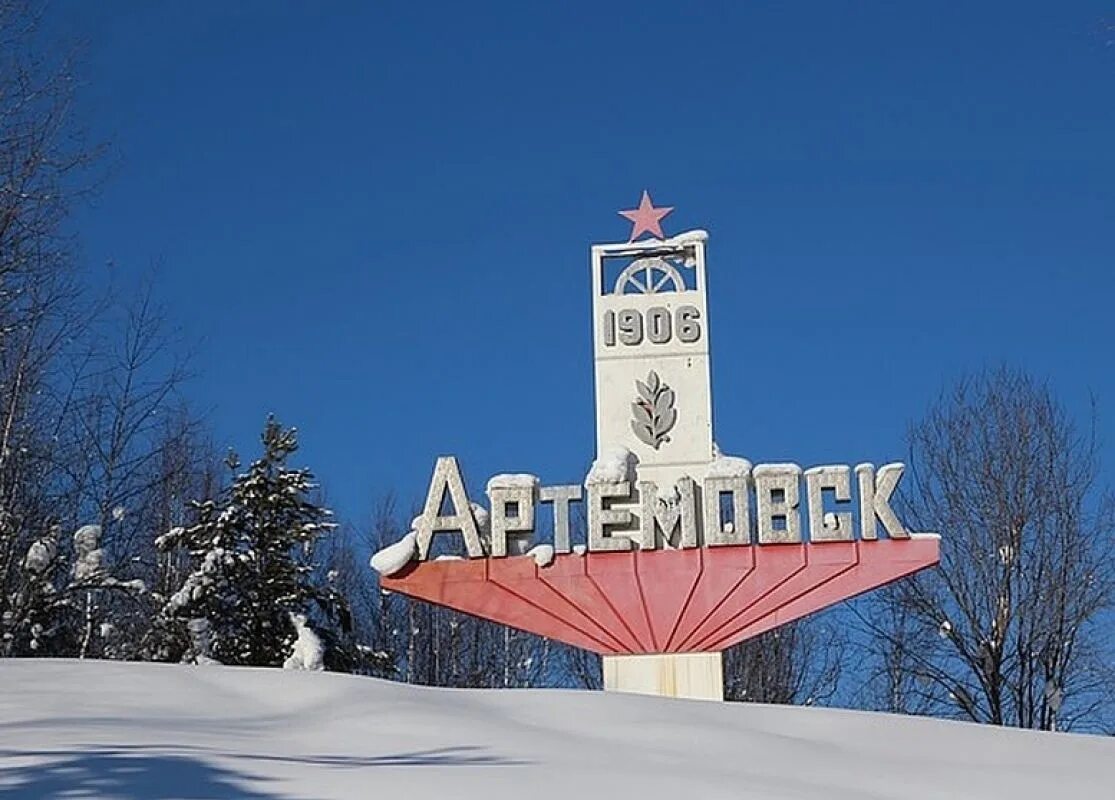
{"type": "Point", "coordinates": [252, 570]}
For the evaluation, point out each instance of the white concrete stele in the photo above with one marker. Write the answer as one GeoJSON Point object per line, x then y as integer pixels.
{"type": "Point", "coordinates": [694, 676]}
{"type": "Point", "coordinates": [667, 333]}
{"type": "Point", "coordinates": [653, 317]}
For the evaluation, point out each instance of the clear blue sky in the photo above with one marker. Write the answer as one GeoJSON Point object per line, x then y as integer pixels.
{"type": "Point", "coordinates": [376, 219]}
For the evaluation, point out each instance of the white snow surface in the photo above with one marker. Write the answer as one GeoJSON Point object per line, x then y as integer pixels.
{"type": "Point", "coordinates": [776, 469]}
{"type": "Point", "coordinates": [695, 235]}
{"type": "Point", "coordinates": [683, 238]}
{"type": "Point", "coordinates": [612, 465]}
{"type": "Point", "coordinates": [512, 480]}
{"type": "Point", "coordinates": [173, 731]}
{"type": "Point", "coordinates": [395, 556]}
{"type": "Point", "coordinates": [543, 554]}
{"type": "Point", "coordinates": [723, 466]}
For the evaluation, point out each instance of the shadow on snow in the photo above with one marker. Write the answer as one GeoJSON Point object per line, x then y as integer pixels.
{"type": "Point", "coordinates": [123, 775]}
{"type": "Point", "coordinates": [142, 772]}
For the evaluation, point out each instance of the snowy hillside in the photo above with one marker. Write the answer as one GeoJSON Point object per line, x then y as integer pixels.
{"type": "Point", "coordinates": [157, 732]}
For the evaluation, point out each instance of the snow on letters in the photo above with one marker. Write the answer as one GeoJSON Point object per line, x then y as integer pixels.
{"type": "Point", "coordinates": [723, 466]}
{"type": "Point", "coordinates": [731, 503]}
{"type": "Point", "coordinates": [613, 465]}
{"type": "Point", "coordinates": [512, 481]}
{"type": "Point", "coordinates": [394, 557]}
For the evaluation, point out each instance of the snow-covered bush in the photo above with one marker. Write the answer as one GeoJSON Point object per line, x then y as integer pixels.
{"type": "Point", "coordinates": [88, 556]}
{"type": "Point", "coordinates": [308, 652]}
{"type": "Point", "coordinates": [58, 607]}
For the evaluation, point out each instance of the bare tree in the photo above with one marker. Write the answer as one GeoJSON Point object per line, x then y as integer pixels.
{"type": "Point", "coordinates": [92, 434]}
{"type": "Point", "coordinates": [1009, 630]}
{"type": "Point", "coordinates": [894, 636]}
{"type": "Point", "coordinates": [581, 669]}
{"type": "Point", "coordinates": [44, 166]}
{"type": "Point", "coordinates": [124, 410]}
{"type": "Point", "coordinates": [797, 664]}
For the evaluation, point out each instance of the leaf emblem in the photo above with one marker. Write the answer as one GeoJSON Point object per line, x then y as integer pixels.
{"type": "Point", "coordinates": [653, 412]}
{"type": "Point", "coordinates": [665, 401]}
{"type": "Point", "coordinates": [642, 414]}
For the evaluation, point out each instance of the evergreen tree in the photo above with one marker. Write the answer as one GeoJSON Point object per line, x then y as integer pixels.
{"type": "Point", "coordinates": [252, 571]}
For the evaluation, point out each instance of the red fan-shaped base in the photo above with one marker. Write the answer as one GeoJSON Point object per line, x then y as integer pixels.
{"type": "Point", "coordinates": [665, 601]}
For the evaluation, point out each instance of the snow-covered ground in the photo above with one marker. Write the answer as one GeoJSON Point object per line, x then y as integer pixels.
{"type": "Point", "coordinates": [158, 732]}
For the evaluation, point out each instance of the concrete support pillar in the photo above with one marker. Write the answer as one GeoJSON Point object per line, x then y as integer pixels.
{"type": "Point", "coordinates": [696, 676]}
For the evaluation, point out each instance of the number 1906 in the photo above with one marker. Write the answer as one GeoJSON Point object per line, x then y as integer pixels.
{"type": "Point", "coordinates": [657, 326]}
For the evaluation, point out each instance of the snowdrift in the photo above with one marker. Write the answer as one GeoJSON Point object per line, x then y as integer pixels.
{"type": "Point", "coordinates": [157, 732]}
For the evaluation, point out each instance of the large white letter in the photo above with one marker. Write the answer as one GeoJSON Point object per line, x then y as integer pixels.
{"type": "Point", "coordinates": [447, 476]}
{"type": "Point", "coordinates": [667, 516]}
{"type": "Point", "coordinates": [504, 491]}
{"type": "Point", "coordinates": [561, 497]}
{"type": "Point", "coordinates": [601, 518]}
{"type": "Point", "coordinates": [777, 498]}
{"type": "Point", "coordinates": [715, 532]}
{"type": "Point", "coordinates": [874, 500]}
{"type": "Point", "coordinates": [829, 527]}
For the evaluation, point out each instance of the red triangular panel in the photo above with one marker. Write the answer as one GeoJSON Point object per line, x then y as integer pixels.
{"type": "Point", "coordinates": [665, 601]}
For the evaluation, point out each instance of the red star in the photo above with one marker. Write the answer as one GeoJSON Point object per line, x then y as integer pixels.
{"type": "Point", "coordinates": [646, 218]}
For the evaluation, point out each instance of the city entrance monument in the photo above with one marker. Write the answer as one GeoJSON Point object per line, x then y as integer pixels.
{"type": "Point", "coordinates": [687, 551]}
